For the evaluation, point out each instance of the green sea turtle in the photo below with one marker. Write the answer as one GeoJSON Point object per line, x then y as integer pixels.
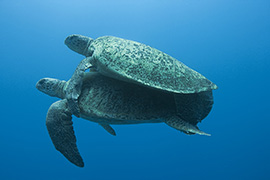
{"type": "Point", "coordinates": [132, 62]}
{"type": "Point", "coordinates": [106, 101]}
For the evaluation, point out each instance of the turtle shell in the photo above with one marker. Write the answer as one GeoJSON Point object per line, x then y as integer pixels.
{"type": "Point", "coordinates": [141, 64]}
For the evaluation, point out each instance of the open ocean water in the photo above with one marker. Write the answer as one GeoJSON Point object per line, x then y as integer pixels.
{"type": "Point", "coordinates": [228, 41]}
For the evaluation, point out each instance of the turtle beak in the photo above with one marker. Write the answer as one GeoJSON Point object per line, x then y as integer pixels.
{"type": "Point", "coordinates": [39, 84]}
{"type": "Point", "coordinates": [78, 43]}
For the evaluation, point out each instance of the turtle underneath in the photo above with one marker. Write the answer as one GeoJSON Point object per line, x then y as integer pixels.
{"type": "Point", "coordinates": [109, 101]}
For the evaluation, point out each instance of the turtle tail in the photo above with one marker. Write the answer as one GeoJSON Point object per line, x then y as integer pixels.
{"type": "Point", "coordinates": [179, 124]}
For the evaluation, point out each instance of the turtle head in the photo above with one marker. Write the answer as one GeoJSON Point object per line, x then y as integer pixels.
{"type": "Point", "coordinates": [52, 87]}
{"type": "Point", "coordinates": [79, 44]}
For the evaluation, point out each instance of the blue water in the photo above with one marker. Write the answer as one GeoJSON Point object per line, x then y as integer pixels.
{"type": "Point", "coordinates": [228, 41]}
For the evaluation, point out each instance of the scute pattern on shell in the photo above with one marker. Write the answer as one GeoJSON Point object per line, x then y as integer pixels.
{"type": "Point", "coordinates": [135, 62]}
{"type": "Point", "coordinates": [118, 102]}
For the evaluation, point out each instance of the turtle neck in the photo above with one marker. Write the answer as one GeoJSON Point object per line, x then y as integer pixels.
{"type": "Point", "coordinates": [60, 89]}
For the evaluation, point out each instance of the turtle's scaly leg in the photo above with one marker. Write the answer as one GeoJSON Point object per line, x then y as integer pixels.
{"type": "Point", "coordinates": [74, 86]}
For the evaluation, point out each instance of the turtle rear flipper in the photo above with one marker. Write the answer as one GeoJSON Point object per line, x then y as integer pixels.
{"type": "Point", "coordinates": [179, 124]}
{"type": "Point", "coordinates": [108, 128]}
{"type": "Point", "coordinates": [193, 108]}
{"type": "Point", "coordinates": [59, 125]}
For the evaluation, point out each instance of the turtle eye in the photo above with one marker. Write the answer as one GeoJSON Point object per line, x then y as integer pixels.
{"type": "Point", "coordinates": [44, 85]}
{"type": "Point", "coordinates": [41, 82]}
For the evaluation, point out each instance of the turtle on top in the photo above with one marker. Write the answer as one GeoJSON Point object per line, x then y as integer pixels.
{"type": "Point", "coordinates": [128, 83]}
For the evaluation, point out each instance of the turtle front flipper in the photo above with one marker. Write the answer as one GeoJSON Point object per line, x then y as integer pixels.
{"type": "Point", "coordinates": [179, 124]}
{"type": "Point", "coordinates": [59, 125]}
{"type": "Point", "coordinates": [74, 86]}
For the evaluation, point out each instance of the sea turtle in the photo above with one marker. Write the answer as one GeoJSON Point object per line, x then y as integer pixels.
{"type": "Point", "coordinates": [106, 101]}
{"type": "Point", "coordinates": [133, 62]}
